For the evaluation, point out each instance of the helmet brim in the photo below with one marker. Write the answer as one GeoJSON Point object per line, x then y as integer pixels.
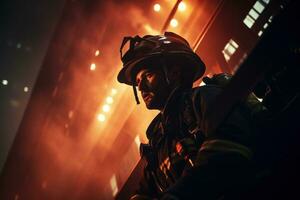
{"type": "Point", "coordinates": [192, 61]}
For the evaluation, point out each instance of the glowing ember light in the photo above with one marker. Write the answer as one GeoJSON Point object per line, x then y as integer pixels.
{"type": "Point", "coordinates": [181, 6]}
{"type": "Point", "coordinates": [93, 67]}
{"type": "Point", "coordinates": [137, 141]}
{"type": "Point", "coordinates": [202, 83]}
{"type": "Point", "coordinates": [106, 108]}
{"type": "Point", "coordinates": [109, 100]}
{"type": "Point", "coordinates": [174, 23]}
{"type": "Point", "coordinates": [113, 91]}
{"type": "Point", "coordinates": [101, 117]}
{"type": "Point", "coordinates": [26, 89]}
{"type": "Point", "coordinates": [4, 82]}
{"type": "Point", "coordinates": [114, 185]}
{"type": "Point", "coordinates": [156, 7]}
{"type": "Point", "coordinates": [97, 53]}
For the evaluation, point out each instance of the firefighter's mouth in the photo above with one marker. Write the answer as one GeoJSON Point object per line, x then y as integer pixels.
{"type": "Point", "coordinates": [146, 96]}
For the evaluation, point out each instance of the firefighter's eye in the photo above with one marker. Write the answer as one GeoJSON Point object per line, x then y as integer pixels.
{"type": "Point", "coordinates": [148, 75]}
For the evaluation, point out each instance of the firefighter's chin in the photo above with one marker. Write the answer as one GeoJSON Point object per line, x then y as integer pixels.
{"type": "Point", "coordinates": [150, 102]}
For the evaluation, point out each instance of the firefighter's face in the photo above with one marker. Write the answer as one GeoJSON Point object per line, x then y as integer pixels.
{"type": "Point", "coordinates": [153, 87]}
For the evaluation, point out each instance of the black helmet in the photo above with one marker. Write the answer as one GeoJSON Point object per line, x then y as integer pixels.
{"type": "Point", "coordinates": [152, 47]}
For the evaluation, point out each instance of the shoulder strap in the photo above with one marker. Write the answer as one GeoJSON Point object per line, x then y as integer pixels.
{"type": "Point", "coordinates": [190, 114]}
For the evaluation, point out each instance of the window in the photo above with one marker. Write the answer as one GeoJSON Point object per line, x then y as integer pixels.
{"type": "Point", "coordinates": [255, 12]}
{"type": "Point", "coordinates": [258, 6]}
{"type": "Point", "coordinates": [248, 21]}
{"type": "Point", "coordinates": [265, 26]}
{"type": "Point", "coordinates": [229, 49]}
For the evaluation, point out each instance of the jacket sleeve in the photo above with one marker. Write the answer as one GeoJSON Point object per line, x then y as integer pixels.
{"type": "Point", "coordinates": [224, 161]}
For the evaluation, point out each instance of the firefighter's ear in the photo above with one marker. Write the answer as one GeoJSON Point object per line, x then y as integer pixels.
{"type": "Point", "coordinates": [174, 73]}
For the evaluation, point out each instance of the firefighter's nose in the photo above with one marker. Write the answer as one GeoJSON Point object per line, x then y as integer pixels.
{"type": "Point", "coordinates": [142, 85]}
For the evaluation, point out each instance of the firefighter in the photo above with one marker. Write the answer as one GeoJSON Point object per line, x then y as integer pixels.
{"type": "Point", "coordinates": [183, 161]}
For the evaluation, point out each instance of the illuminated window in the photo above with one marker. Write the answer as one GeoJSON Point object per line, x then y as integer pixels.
{"type": "Point", "coordinates": [270, 18]}
{"type": "Point", "coordinates": [97, 53]}
{"type": "Point", "coordinates": [248, 21]}
{"type": "Point", "coordinates": [253, 14]}
{"type": "Point", "coordinates": [258, 6]}
{"type": "Point", "coordinates": [229, 49]}
{"type": "Point", "coordinates": [264, 27]}
{"type": "Point", "coordinates": [113, 185]}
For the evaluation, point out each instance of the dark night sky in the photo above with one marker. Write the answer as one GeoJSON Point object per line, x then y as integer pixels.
{"type": "Point", "coordinates": [25, 31]}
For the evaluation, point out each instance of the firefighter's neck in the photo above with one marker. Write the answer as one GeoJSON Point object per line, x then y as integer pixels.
{"type": "Point", "coordinates": [172, 91]}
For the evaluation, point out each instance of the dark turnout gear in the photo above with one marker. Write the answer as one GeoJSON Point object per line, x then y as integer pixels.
{"type": "Point", "coordinates": [184, 162]}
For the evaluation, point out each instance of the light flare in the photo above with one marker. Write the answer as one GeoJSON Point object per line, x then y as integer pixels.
{"type": "Point", "coordinates": [109, 100]}
{"type": "Point", "coordinates": [174, 23]}
{"type": "Point", "coordinates": [113, 91]}
{"type": "Point", "coordinates": [156, 7]}
{"type": "Point", "coordinates": [182, 6]}
{"type": "Point", "coordinates": [101, 117]}
{"type": "Point", "coordinates": [106, 108]}
{"type": "Point", "coordinates": [93, 67]}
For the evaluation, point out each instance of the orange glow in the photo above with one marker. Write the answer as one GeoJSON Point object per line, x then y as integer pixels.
{"type": "Point", "coordinates": [101, 117]}
{"type": "Point", "coordinates": [90, 115]}
{"type": "Point", "coordinates": [182, 6]}
{"type": "Point", "coordinates": [174, 23]}
{"type": "Point", "coordinates": [93, 67]}
{"type": "Point", "coordinates": [151, 30]}
{"type": "Point", "coordinates": [156, 7]}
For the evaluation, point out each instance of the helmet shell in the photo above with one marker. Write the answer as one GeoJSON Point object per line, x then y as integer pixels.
{"type": "Point", "coordinates": [154, 47]}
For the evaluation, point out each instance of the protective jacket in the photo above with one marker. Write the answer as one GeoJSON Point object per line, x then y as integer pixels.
{"type": "Point", "coordinates": [183, 162]}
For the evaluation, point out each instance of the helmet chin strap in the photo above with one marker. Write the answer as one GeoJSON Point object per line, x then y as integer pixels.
{"type": "Point", "coordinates": [135, 92]}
